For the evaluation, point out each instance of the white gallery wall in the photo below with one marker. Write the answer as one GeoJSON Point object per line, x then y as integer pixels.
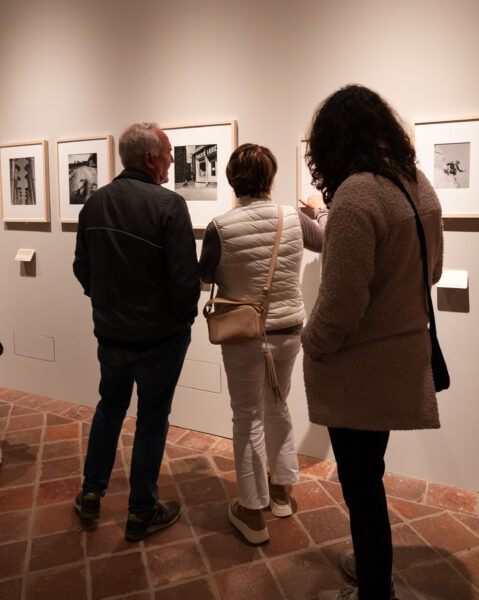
{"type": "Point", "coordinates": [71, 69]}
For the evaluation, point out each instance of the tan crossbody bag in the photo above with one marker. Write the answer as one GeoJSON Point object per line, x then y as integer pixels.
{"type": "Point", "coordinates": [233, 322]}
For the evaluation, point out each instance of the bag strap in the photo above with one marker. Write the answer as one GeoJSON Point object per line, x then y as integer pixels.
{"type": "Point", "coordinates": [267, 285]}
{"type": "Point", "coordinates": [422, 242]}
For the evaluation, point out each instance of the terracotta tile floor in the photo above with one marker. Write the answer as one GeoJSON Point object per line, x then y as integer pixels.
{"type": "Point", "coordinates": [45, 553]}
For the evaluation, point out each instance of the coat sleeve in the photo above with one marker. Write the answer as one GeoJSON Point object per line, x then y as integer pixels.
{"type": "Point", "coordinates": [81, 263]}
{"type": "Point", "coordinates": [210, 254]}
{"type": "Point", "coordinates": [348, 267]}
{"type": "Point", "coordinates": [183, 281]}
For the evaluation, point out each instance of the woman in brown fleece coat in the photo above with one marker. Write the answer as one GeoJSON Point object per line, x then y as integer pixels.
{"type": "Point", "coordinates": [367, 353]}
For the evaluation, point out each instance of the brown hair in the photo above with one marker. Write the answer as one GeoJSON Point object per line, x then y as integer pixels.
{"type": "Point", "coordinates": [355, 130]}
{"type": "Point", "coordinates": [251, 170]}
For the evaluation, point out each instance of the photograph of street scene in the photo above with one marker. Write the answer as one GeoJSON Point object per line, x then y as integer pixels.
{"type": "Point", "coordinates": [82, 176]}
{"type": "Point", "coordinates": [196, 172]}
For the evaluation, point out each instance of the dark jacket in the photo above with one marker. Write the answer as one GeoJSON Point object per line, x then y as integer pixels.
{"type": "Point", "coordinates": [136, 258]}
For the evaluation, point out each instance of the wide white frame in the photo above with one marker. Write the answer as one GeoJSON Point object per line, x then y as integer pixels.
{"type": "Point", "coordinates": [304, 189]}
{"type": "Point", "coordinates": [223, 134]}
{"type": "Point", "coordinates": [455, 202]}
{"type": "Point", "coordinates": [25, 213]}
{"type": "Point", "coordinates": [103, 147]}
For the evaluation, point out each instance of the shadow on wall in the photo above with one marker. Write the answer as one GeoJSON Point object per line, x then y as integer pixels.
{"type": "Point", "coordinates": [316, 443]}
{"type": "Point", "coordinates": [311, 278]}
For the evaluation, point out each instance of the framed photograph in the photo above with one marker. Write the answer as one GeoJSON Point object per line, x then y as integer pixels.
{"type": "Point", "coordinates": [448, 154]}
{"type": "Point", "coordinates": [84, 165]}
{"type": "Point", "coordinates": [303, 176]}
{"type": "Point", "coordinates": [201, 153]}
{"type": "Point", "coordinates": [24, 183]}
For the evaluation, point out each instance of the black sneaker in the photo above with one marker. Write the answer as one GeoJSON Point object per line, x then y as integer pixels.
{"type": "Point", "coordinates": [163, 515]}
{"type": "Point", "coordinates": [87, 504]}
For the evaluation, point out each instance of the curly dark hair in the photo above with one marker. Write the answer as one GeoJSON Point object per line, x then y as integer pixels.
{"type": "Point", "coordinates": [251, 170]}
{"type": "Point", "coordinates": [355, 130]}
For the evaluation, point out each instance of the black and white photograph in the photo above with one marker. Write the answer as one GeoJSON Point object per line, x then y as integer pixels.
{"type": "Point", "coordinates": [451, 165]}
{"type": "Point", "coordinates": [22, 181]}
{"type": "Point", "coordinates": [448, 154]}
{"type": "Point", "coordinates": [196, 172]}
{"type": "Point", "coordinates": [82, 176]}
{"type": "Point", "coordinates": [84, 165]}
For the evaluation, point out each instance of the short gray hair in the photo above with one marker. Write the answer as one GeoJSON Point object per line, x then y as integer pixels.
{"type": "Point", "coordinates": [135, 141]}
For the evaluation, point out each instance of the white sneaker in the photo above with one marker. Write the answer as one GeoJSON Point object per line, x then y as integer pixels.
{"type": "Point", "coordinates": [348, 592]}
{"type": "Point", "coordinates": [348, 565]}
{"type": "Point", "coordinates": [280, 500]}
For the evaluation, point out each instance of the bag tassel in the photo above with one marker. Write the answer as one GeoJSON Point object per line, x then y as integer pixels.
{"type": "Point", "coordinates": [271, 375]}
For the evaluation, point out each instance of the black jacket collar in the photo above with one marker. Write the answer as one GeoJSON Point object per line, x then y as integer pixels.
{"type": "Point", "coordinates": [134, 174]}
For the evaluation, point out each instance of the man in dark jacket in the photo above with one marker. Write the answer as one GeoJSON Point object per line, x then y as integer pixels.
{"type": "Point", "coordinates": [136, 259]}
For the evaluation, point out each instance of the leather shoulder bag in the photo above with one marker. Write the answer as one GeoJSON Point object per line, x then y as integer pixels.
{"type": "Point", "coordinates": [439, 368]}
{"type": "Point", "coordinates": [232, 322]}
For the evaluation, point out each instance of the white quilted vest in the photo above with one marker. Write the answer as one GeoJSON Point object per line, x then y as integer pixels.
{"type": "Point", "coordinates": [247, 234]}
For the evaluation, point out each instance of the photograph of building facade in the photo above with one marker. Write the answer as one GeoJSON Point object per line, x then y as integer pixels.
{"type": "Point", "coordinates": [196, 171]}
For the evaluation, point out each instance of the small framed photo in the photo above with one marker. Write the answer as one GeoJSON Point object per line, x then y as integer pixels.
{"type": "Point", "coordinates": [84, 165]}
{"type": "Point", "coordinates": [201, 153]}
{"type": "Point", "coordinates": [448, 154]}
{"type": "Point", "coordinates": [303, 176]}
{"type": "Point", "coordinates": [24, 182]}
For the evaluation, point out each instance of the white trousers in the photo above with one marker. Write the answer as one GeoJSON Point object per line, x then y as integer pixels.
{"type": "Point", "coordinates": [261, 427]}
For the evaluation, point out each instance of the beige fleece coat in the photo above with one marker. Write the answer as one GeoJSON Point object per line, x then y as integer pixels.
{"type": "Point", "coordinates": [366, 345]}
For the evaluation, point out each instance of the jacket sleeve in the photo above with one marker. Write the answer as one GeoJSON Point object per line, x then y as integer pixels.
{"type": "Point", "coordinates": [81, 263]}
{"type": "Point", "coordinates": [183, 282]}
{"type": "Point", "coordinates": [348, 266]}
{"type": "Point", "coordinates": [210, 254]}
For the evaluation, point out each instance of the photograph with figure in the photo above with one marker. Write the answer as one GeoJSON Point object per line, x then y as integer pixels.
{"type": "Point", "coordinates": [196, 172]}
{"type": "Point", "coordinates": [22, 180]}
{"type": "Point", "coordinates": [451, 165]}
{"type": "Point", "coordinates": [83, 176]}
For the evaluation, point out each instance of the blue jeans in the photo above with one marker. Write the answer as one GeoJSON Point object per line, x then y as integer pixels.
{"type": "Point", "coordinates": [156, 372]}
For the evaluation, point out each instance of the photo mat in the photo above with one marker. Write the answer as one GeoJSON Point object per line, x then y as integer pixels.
{"type": "Point", "coordinates": [24, 182]}
{"type": "Point", "coordinates": [448, 154]}
{"type": "Point", "coordinates": [84, 165]}
{"type": "Point", "coordinates": [201, 153]}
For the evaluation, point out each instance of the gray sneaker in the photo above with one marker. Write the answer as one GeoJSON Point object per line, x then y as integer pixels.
{"type": "Point", "coordinates": [348, 592]}
{"type": "Point", "coordinates": [87, 505]}
{"type": "Point", "coordinates": [348, 565]}
{"type": "Point", "coordinates": [162, 516]}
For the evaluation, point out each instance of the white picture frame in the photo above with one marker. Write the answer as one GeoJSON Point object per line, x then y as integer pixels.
{"type": "Point", "coordinates": [83, 165]}
{"type": "Point", "coordinates": [201, 153]}
{"type": "Point", "coordinates": [24, 182]}
{"type": "Point", "coordinates": [304, 189]}
{"type": "Point", "coordinates": [448, 154]}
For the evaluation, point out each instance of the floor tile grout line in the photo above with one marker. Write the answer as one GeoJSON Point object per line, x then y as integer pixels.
{"type": "Point", "coordinates": [267, 561]}
{"type": "Point", "coordinates": [33, 510]}
{"type": "Point", "coordinates": [438, 560]}
{"type": "Point", "coordinates": [198, 545]}
{"type": "Point", "coordinates": [199, 453]}
{"type": "Point", "coordinates": [470, 583]}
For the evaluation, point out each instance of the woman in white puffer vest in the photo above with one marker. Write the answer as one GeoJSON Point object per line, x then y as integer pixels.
{"type": "Point", "coordinates": [236, 255]}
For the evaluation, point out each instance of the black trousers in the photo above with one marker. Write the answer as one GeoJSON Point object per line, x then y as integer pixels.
{"type": "Point", "coordinates": [360, 458]}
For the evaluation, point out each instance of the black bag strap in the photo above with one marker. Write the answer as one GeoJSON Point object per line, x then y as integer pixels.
{"type": "Point", "coordinates": [422, 242]}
